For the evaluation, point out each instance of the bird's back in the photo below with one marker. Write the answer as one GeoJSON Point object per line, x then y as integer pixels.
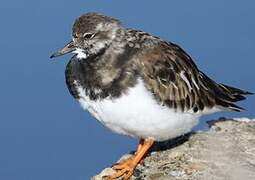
{"type": "Point", "coordinates": [174, 79]}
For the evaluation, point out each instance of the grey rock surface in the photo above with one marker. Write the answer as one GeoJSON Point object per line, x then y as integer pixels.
{"type": "Point", "coordinates": [225, 152]}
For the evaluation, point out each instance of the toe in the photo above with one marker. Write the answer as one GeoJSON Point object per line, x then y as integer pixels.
{"type": "Point", "coordinates": [122, 164]}
{"type": "Point", "coordinates": [128, 175]}
{"type": "Point", "coordinates": [118, 174]}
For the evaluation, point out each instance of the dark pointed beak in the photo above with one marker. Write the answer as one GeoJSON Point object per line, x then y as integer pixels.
{"type": "Point", "coordinates": [70, 47]}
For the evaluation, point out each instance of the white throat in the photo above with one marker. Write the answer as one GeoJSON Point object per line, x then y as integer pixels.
{"type": "Point", "coordinates": [80, 53]}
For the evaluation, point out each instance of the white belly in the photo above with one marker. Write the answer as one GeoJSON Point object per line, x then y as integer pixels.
{"type": "Point", "coordinates": [138, 114]}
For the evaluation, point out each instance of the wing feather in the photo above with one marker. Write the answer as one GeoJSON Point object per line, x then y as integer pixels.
{"type": "Point", "coordinates": [174, 79]}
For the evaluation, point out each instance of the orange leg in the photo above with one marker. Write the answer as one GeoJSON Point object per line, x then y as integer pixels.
{"type": "Point", "coordinates": [126, 168]}
{"type": "Point", "coordinates": [118, 166]}
{"type": "Point", "coordinates": [141, 142]}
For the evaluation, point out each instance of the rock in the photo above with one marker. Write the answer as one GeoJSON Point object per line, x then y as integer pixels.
{"type": "Point", "coordinates": [225, 152]}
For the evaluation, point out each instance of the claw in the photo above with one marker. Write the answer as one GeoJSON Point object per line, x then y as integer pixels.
{"type": "Point", "coordinates": [126, 172]}
{"type": "Point", "coordinates": [123, 163]}
{"type": "Point", "coordinates": [125, 169]}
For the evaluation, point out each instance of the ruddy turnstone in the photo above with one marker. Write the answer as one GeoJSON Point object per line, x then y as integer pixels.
{"type": "Point", "coordinates": [139, 85]}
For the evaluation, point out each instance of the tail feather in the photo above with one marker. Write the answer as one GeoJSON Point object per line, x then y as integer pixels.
{"type": "Point", "coordinates": [230, 95]}
{"type": "Point", "coordinates": [235, 91]}
{"type": "Point", "coordinates": [224, 95]}
{"type": "Point", "coordinates": [229, 105]}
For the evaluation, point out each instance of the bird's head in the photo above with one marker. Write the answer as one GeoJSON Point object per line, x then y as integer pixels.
{"type": "Point", "coordinates": [92, 33]}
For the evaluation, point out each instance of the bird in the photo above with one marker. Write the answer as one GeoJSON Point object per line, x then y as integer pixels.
{"type": "Point", "coordinates": [138, 85]}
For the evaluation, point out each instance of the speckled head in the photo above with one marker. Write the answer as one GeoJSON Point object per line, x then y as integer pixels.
{"type": "Point", "coordinates": [91, 22]}
{"type": "Point", "coordinates": [92, 32]}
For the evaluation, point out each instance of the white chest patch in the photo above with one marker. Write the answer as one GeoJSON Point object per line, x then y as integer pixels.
{"type": "Point", "coordinates": [138, 114]}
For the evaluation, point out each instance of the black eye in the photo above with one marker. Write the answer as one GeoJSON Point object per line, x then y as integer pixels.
{"type": "Point", "coordinates": [88, 35]}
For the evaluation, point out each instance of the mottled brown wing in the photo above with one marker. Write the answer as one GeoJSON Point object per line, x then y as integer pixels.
{"type": "Point", "coordinates": [171, 75]}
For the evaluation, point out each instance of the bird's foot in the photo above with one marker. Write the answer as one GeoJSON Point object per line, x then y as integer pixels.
{"type": "Point", "coordinates": [123, 169]}
{"type": "Point", "coordinates": [126, 167]}
{"type": "Point", "coordinates": [122, 163]}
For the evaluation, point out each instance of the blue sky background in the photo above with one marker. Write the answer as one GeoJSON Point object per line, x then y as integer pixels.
{"type": "Point", "coordinates": [44, 134]}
